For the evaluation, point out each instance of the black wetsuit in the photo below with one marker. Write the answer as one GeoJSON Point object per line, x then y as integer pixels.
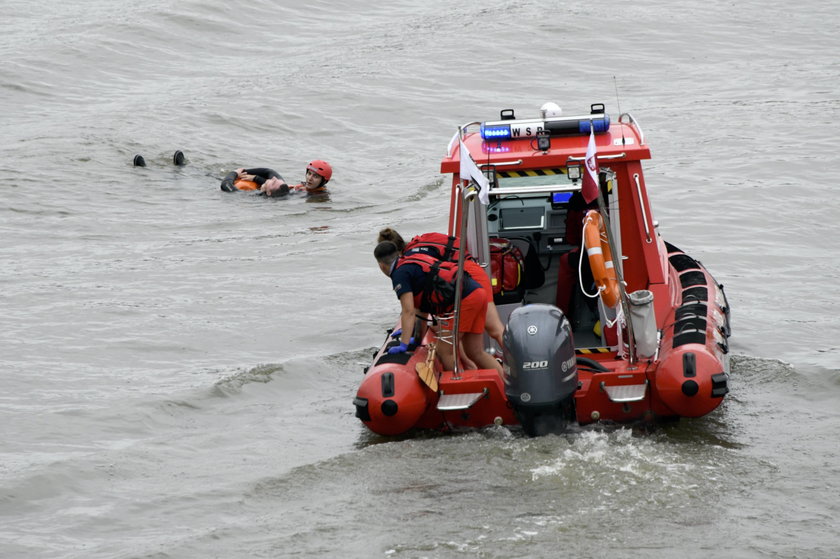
{"type": "Point", "coordinates": [262, 174]}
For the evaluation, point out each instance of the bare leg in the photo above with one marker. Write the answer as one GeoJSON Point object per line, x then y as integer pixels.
{"type": "Point", "coordinates": [473, 346]}
{"type": "Point", "coordinates": [447, 359]}
{"type": "Point", "coordinates": [493, 324]}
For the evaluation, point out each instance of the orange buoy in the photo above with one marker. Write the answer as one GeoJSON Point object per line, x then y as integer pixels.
{"type": "Point", "coordinates": [245, 185]}
{"type": "Point", "coordinates": [600, 257]}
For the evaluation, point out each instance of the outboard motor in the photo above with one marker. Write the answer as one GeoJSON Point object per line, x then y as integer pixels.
{"type": "Point", "coordinates": [541, 374]}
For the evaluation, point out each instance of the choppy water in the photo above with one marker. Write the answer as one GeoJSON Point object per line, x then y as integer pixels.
{"type": "Point", "coordinates": [177, 364]}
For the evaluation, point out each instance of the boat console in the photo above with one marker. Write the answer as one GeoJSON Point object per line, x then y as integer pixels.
{"type": "Point", "coordinates": [540, 219]}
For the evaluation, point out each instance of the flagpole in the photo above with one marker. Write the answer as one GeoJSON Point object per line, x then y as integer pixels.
{"type": "Point", "coordinates": [469, 193]}
{"type": "Point", "coordinates": [477, 186]}
{"type": "Point", "coordinates": [622, 292]}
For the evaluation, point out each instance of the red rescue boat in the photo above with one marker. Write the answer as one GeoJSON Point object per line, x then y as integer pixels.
{"type": "Point", "coordinates": [605, 321]}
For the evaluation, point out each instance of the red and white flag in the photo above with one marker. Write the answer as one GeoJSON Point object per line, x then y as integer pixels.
{"type": "Point", "coordinates": [589, 189]}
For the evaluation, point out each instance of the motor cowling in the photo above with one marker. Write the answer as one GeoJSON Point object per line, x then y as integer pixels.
{"type": "Point", "coordinates": [541, 374]}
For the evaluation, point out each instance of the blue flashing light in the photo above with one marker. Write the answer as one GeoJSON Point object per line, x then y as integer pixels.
{"type": "Point", "coordinates": [601, 124]}
{"type": "Point", "coordinates": [495, 131]}
{"type": "Point", "coordinates": [560, 197]}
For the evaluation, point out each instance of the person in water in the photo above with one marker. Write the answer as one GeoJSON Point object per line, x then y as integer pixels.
{"type": "Point", "coordinates": [418, 292]}
{"type": "Point", "coordinates": [269, 182]}
{"type": "Point", "coordinates": [435, 244]}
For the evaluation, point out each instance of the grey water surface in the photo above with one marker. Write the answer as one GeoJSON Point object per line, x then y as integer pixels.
{"type": "Point", "coordinates": [177, 364]}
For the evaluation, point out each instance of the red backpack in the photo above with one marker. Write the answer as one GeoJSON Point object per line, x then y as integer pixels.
{"type": "Point", "coordinates": [506, 265]}
{"type": "Point", "coordinates": [438, 295]}
{"type": "Point", "coordinates": [442, 244]}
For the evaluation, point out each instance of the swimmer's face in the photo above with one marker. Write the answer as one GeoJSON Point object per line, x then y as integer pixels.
{"type": "Point", "coordinates": [313, 180]}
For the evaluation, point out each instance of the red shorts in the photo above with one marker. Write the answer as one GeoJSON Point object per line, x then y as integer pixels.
{"type": "Point", "coordinates": [473, 313]}
{"type": "Point", "coordinates": [479, 274]}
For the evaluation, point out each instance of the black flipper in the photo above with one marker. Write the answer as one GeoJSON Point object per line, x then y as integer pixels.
{"type": "Point", "coordinates": [179, 158]}
{"type": "Point", "coordinates": [139, 161]}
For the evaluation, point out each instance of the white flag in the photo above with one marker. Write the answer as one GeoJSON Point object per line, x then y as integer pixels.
{"type": "Point", "coordinates": [470, 171]}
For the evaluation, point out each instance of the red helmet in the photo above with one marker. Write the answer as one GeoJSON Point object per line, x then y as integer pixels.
{"type": "Point", "coordinates": [321, 168]}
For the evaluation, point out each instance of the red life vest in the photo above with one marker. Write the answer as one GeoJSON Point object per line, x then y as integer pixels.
{"type": "Point", "coordinates": [438, 294]}
{"type": "Point", "coordinates": [435, 244]}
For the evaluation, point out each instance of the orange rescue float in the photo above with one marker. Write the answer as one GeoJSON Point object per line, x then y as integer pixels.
{"type": "Point", "coordinates": [241, 184]}
{"type": "Point", "coordinates": [600, 257]}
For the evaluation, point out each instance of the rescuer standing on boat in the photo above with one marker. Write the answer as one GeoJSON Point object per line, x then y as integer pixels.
{"type": "Point", "coordinates": [437, 244]}
{"type": "Point", "coordinates": [427, 285]}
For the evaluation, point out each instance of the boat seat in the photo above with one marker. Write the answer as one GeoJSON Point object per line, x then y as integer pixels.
{"type": "Point", "coordinates": [568, 286]}
{"type": "Point", "coordinates": [533, 276]}
{"type": "Point", "coordinates": [583, 312]}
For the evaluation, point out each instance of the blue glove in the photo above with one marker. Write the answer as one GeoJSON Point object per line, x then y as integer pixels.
{"type": "Point", "coordinates": [396, 333]}
{"type": "Point", "coordinates": [402, 348]}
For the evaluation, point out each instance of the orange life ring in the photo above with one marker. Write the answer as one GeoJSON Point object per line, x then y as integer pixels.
{"type": "Point", "coordinates": [600, 257]}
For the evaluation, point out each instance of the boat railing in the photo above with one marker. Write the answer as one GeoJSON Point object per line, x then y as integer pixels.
{"type": "Point", "coordinates": [542, 189]}
{"type": "Point", "coordinates": [599, 156]}
{"type": "Point", "coordinates": [648, 238]}
{"type": "Point", "coordinates": [627, 118]}
{"type": "Point", "coordinates": [500, 164]}
{"type": "Point", "coordinates": [457, 135]}
{"type": "Point", "coordinates": [468, 195]}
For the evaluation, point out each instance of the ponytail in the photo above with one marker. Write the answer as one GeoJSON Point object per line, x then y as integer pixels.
{"type": "Point", "coordinates": [388, 234]}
